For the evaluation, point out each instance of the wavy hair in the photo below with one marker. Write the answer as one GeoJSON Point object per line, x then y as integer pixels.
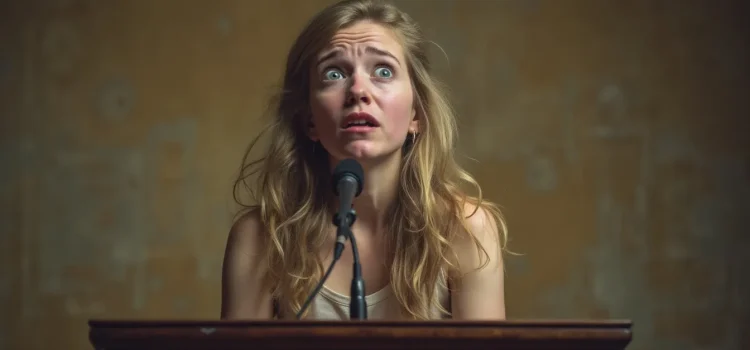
{"type": "Point", "coordinates": [292, 180]}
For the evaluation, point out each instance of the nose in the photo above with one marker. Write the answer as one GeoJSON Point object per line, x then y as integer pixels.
{"type": "Point", "coordinates": [359, 91]}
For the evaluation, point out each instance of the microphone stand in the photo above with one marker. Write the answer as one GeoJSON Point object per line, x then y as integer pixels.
{"type": "Point", "coordinates": [358, 304]}
{"type": "Point", "coordinates": [348, 177]}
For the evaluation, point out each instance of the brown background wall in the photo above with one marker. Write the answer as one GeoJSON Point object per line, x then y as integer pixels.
{"type": "Point", "coordinates": [613, 133]}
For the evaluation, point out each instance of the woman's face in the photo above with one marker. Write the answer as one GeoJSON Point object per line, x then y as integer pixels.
{"type": "Point", "coordinates": [361, 95]}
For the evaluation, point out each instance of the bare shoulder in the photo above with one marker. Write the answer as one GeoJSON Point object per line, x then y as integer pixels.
{"type": "Point", "coordinates": [244, 294]}
{"type": "Point", "coordinates": [245, 241]}
{"type": "Point", "coordinates": [482, 222]}
{"type": "Point", "coordinates": [484, 234]}
{"type": "Point", "coordinates": [247, 231]}
{"type": "Point", "coordinates": [479, 289]}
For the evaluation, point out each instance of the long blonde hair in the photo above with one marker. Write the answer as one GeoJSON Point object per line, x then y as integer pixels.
{"type": "Point", "coordinates": [292, 190]}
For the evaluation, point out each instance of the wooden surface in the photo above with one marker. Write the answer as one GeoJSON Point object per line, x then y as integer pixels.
{"type": "Point", "coordinates": [123, 334]}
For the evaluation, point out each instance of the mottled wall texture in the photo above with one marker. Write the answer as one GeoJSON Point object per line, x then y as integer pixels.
{"type": "Point", "coordinates": [614, 134]}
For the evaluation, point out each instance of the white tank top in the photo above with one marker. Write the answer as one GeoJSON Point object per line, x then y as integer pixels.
{"type": "Point", "coordinates": [381, 305]}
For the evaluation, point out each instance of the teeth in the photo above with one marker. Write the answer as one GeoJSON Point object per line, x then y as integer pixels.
{"type": "Point", "coordinates": [358, 122]}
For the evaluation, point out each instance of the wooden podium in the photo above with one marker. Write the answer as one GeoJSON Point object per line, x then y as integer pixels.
{"type": "Point", "coordinates": [353, 335]}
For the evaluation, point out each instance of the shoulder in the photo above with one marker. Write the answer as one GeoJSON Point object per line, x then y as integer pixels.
{"type": "Point", "coordinates": [246, 236]}
{"type": "Point", "coordinates": [244, 290]}
{"type": "Point", "coordinates": [246, 241]}
{"type": "Point", "coordinates": [482, 221]}
{"type": "Point", "coordinates": [247, 228]}
{"type": "Point", "coordinates": [477, 292]}
{"type": "Point", "coordinates": [481, 242]}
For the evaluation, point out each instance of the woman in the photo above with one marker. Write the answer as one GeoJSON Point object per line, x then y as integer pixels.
{"type": "Point", "coordinates": [358, 85]}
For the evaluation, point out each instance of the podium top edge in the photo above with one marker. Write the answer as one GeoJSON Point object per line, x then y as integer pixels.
{"type": "Point", "coordinates": [512, 323]}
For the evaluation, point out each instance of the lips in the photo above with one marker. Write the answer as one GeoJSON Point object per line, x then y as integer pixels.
{"type": "Point", "coordinates": [359, 120]}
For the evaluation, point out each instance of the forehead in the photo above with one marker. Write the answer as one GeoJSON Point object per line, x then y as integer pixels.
{"type": "Point", "coordinates": [363, 34]}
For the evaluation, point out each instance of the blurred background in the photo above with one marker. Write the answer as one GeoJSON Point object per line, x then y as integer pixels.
{"type": "Point", "coordinates": [613, 134]}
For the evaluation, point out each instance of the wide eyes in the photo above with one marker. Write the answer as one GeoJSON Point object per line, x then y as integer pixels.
{"type": "Point", "coordinates": [336, 74]}
{"type": "Point", "coordinates": [383, 72]}
{"type": "Point", "coordinates": [333, 74]}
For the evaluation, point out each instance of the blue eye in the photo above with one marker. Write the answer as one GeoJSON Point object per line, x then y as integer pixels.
{"type": "Point", "coordinates": [333, 74]}
{"type": "Point", "coordinates": [383, 72]}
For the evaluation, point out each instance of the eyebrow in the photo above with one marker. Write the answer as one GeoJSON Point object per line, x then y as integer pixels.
{"type": "Point", "coordinates": [369, 49]}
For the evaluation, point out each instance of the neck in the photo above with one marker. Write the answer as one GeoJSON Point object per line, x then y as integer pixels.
{"type": "Point", "coordinates": [379, 192]}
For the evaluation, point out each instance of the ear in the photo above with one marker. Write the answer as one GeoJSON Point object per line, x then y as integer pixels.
{"type": "Point", "coordinates": [312, 132]}
{"type": "Point", "coordinates": [414, 124]}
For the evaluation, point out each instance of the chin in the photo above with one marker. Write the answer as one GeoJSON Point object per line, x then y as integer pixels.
{"type": "Point", "coordinates": [366, 154]}
{"type": "Point", "coordinates": [364, 151]}
{"type": "Point", "coordinates": [360, 154]}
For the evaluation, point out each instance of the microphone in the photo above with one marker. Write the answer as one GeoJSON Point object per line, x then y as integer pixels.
{"type": "Point", "coordinates": [348, 179]}
{"type": "Point", "coordinates": [347, 182]}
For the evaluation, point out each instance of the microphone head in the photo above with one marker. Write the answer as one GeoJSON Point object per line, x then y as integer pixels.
{"type": "Point", "coordinates": [348, 167]}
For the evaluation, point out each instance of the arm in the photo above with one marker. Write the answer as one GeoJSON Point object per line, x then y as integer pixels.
{"type": "Point", "coordinates": [479, 294]}
{"type": "Point", "coordinates": [243, 295]}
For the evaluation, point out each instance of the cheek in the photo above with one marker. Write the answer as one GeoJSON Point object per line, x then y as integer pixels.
{"type": "Point", "coordinates": [323, 108]}
{"type": "Point", "coordinates": [398, 111]}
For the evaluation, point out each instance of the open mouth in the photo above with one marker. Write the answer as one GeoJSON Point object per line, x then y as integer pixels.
{"type": "Point", "coordinates": [359, 120]}
{"type": "Point", "coordinates": [359, 123]}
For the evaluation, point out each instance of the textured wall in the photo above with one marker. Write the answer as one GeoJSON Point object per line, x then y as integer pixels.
{"type": "Point", "coordinates": [613, 133]}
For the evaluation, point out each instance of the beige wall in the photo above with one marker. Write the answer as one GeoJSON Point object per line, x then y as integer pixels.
{"type": "Point", "coordinates": [612, 132]}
